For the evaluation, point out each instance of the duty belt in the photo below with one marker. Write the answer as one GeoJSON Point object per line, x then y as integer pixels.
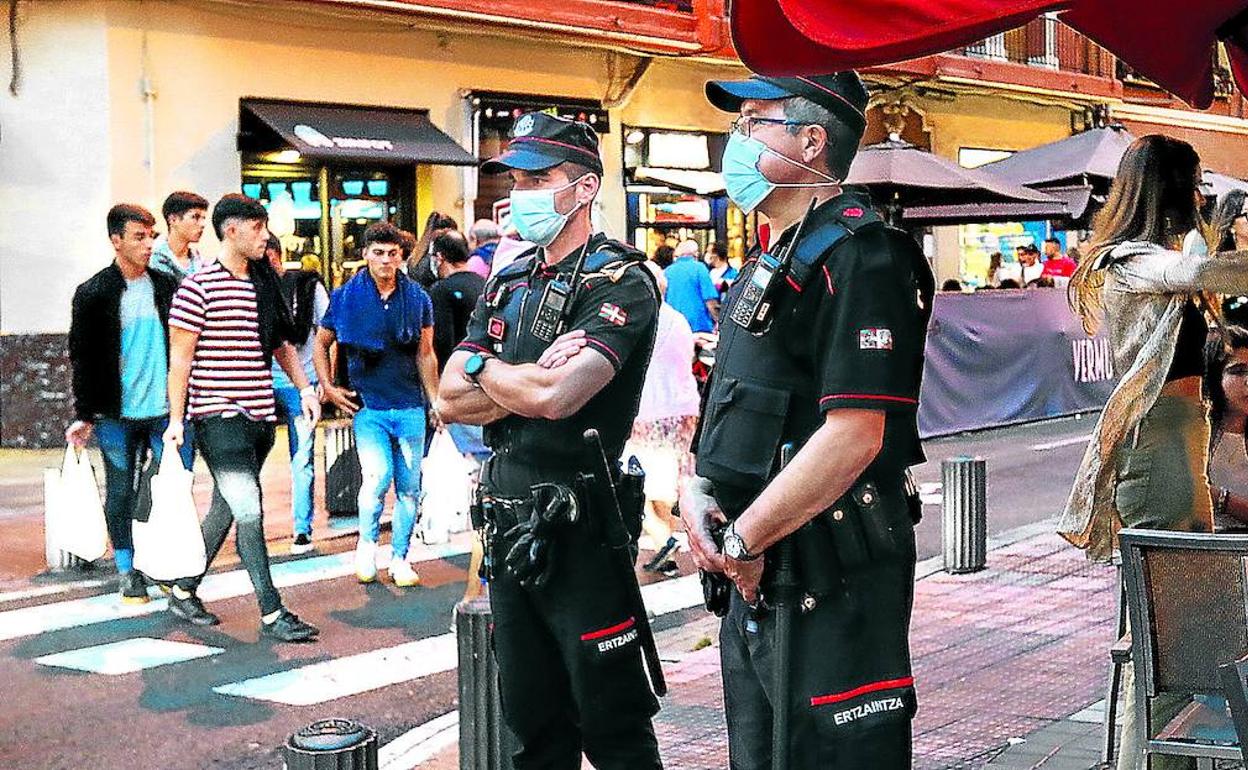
{"type": "Point", "coordinates": [505, 512]}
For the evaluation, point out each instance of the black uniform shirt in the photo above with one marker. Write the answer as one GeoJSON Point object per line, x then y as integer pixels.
{"type": "Point", "coordinates": [848, 335]}
{"type": "Point", "coordinates": [619, 314]}
{"type": "Point", "coordinates": [454, 298]}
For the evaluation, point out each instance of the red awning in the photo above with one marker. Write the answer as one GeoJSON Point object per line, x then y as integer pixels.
{"type": "Point", "coordinates": [1170, 43]}
{"type": "Point", "coordinates": [802, 37]}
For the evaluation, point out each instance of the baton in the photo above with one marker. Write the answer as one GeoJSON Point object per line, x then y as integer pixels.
{"type": "Point", "coordinates": [785, 590]}
{"type": "Point", "coordinates": [619, 540]}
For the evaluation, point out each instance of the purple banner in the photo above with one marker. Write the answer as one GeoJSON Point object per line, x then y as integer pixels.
{"type": "Point", "coordinates": [1007, 356]}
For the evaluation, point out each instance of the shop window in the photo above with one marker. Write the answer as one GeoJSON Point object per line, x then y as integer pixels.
{"type": "Point", "coordinates": [320, 229]}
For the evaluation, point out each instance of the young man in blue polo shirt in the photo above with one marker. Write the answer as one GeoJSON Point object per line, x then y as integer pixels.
{"type": "Point", "coordinates": [384, 320]}
{"type": "Point", "coordinates": [690, 290]}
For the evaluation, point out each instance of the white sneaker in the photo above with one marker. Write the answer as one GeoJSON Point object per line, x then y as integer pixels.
{"type": "Point", "coordinates": [366, 561]}
{"type": "Point", "coordinates": [402, 574]}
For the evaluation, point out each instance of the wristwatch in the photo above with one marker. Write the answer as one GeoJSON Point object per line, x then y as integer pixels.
{"type": "Point", "coordinates": [734, 546]}
{"type": "Point", "coordinates": [474, 366]}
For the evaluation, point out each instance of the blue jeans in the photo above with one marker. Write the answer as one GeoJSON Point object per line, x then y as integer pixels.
{"type": "Point", "coordinates": [125, 445]}
{"type": "Point", "coordinates": [302, 440]}
{"type": "Point", "coordinates": [390, 444]}
{"type": "Point", "coordinates": [469, 440]}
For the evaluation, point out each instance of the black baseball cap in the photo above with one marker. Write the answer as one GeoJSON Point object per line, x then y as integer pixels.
{"type": "Point", "coordinates": [540, 141]}
{"type": "Point", "coordinates": [841, 93]}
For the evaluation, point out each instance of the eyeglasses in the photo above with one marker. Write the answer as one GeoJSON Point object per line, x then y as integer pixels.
{"type": "Point", "coordinates": [744, 124]}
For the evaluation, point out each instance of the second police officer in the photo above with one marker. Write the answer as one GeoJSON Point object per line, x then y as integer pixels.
{"type": "Point", "coordinates": [821, 348]}
{"type": "Point", "coordinates": [552, 366]}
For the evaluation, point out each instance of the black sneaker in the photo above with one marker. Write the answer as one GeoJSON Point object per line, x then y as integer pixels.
{"type": "Point", "coordinates": [191, 609]}
{"type": "Point", "coordinates": [660, 556]}
{"type": "Point", "coordinates": [133, 589]}
{"type": "Point", "coordinates": [301, 544]}
{"type": "Point", "coordinates": [289, 628]}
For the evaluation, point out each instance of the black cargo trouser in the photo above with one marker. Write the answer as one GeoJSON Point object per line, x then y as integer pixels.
{"type": "Point", "coordinates": [569, 660]}
{"type": "Point", "coordinates": [851, 685]}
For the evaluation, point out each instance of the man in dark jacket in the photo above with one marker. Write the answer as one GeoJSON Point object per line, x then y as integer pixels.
{"type": "Point", "coordinates": [118, 348]}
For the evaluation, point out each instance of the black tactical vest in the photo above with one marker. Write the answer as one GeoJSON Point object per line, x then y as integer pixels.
{"type": "Point", "coordinates": [760, 395]}
{"type": "Point", "coordinates": [513, 295]}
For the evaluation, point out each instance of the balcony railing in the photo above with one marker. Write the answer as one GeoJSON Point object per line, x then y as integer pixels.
{"type": "Point", "coordinates": [1046, 43]}
{"type": "Point", "coordinates": [1223, 82]}
{"type": "Point", "coordinates": [683, 6]}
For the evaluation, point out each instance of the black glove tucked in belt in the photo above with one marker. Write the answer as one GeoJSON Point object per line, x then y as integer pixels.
{"type": "Point", "coordinates": [531, 558]}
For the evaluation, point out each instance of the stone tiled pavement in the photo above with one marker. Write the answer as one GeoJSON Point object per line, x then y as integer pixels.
{"type": "Point", "coordinates": [999, 655]}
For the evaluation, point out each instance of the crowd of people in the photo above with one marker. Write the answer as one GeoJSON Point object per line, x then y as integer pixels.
{"type": "Point", "coordinates": [171, 348]}
{"type": "Point", "coordinates": [225, 347]}
{"type": "Point", "coordinates": [175, 351]}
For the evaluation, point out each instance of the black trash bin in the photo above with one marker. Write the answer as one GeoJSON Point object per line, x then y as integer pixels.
{"type": "Point", "coordinates": [342, 469]}
{"type": "Point", "coordinates": [332, 744]}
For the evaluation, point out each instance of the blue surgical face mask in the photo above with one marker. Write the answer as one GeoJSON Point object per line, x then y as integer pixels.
{"type": "Point", "coordinates": [534, 214]}
{"type": "Point", "coordinates": [744, 181]}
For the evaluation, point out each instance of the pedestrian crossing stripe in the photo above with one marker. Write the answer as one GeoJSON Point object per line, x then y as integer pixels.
{"type": "Point", "coordinates": [342, 677]}
{"type": "Point", "coordinates": [128, 656]}
{"type": "Point", "coordinates": [352, 675]}
{"type": "Point", "coordinates": [74, 613]}
{"type": "Point", "coordinates": [420, 744]}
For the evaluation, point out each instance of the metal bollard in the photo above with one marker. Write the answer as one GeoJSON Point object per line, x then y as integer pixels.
{"type": "Point", "coordinates": [485, 742]}
{"type": "Point", "coordinates": [332, 744]}
{"type": "Point", "coordinates": [964, 520]}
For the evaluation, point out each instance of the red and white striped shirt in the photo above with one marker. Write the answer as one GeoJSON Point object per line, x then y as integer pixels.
{"type": "Point", "coordinates": [228, 373]}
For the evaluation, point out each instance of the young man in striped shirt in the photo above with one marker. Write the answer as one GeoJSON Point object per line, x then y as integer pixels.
{"type": "Point", "coordinates": [227, 323]}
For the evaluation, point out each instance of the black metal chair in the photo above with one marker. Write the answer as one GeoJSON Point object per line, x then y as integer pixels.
{"type": "Point", "coordinates": [1119, 657]}
{"type": "Point", "coordinates": [1187, 599]}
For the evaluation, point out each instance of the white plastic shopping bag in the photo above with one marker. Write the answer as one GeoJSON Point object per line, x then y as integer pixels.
{"type": "Point", "coordinates": [447, 490]}
{"type": "Point", "coordinates": [74, 513]}
{"type": "Point", "coordinates": [170, 544]}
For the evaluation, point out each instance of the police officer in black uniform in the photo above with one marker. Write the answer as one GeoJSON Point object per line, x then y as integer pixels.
{"type": "Point", "coordinates": [821, 348]}
{"type": "Point", "coordinates": [553, 366]}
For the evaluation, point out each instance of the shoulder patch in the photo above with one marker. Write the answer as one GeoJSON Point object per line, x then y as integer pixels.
{"type": "Point", "coordinates": [875, 339]}
{"type": "Point", "coordinates": [613, 314]}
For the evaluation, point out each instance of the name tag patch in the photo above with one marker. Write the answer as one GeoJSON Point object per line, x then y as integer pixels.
{"type": "Point", "coordinates": [875, 339]}
{"type": "Point", "coordinates": [867, 709]}
{"type": "Point", "coordinates": [613, 314]}
{"type": "Point", "coordinates": [608, 640]}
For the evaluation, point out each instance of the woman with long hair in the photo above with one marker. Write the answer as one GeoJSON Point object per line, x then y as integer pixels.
{"type": "Point", "coordinates": [1229, 232]}
{"type": "Point", "coordinates": [1145, 465]}
{"type": "Point", "coordinates": [1226, 389]}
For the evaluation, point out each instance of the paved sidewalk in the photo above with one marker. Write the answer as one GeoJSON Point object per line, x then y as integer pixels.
{"type": "Point", "coordinates": [1002, 658]}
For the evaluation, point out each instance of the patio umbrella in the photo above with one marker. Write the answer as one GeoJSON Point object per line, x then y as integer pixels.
{"type": "Point", "coordinates": [1171, 43]}
{"type": "Point", "coordinates": [1216, 185]}
{"type": "Point", "coordinates": [1092, 155]}
{"type": "Point", "coordinates": [900, 175]}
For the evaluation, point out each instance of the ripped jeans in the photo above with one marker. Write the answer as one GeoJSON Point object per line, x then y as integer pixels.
{"type": "Point", "coordinates": [391, 445]}
{"type": "Point", "coordinates": [234, 448]}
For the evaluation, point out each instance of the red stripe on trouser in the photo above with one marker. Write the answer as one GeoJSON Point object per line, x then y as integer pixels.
{"type": "Point", "coordinates": [888, 684]}
{"type": "Point", "coordinates": [867, 397]}
{"type": "Point", "coordinates": [609, 631]}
